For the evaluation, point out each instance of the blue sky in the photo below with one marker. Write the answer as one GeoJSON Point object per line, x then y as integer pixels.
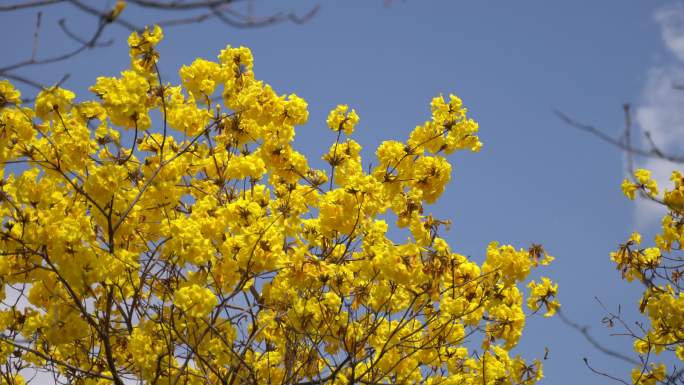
{"type": "Point", "coordinates": [535, 181]}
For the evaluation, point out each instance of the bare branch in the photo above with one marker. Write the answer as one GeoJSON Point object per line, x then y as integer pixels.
{"type": "Point", "coordinates": [24, 80]}
{"type": "Point", "coordinates": [616, 142]}
{"type": "Point", "coordinates": [584, 330]}
{"type": "Point", "coordinates": [78, 39]}
{"type": "Point", "coordinates": [221, 9]}
{"type": "Point", "coordinates": [586, 362]}
{"type": "Point", "coordinates": [35, 36]}
{"type": "Point", "coordinates": [306, 17]}
{"type": "Point", "coordinates": [28, 4]}
{"type": "Point", "coordinates": [174, 5]}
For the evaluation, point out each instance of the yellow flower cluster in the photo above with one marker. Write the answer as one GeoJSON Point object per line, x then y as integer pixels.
{"type": "Point", "coordinates": [659, 269]}
{"type": "Point", "coordinates": [650, 376]}
{"type": "Point", "coordinates": [644, 183]}
{"type": "Point", "coordinates": [340, 119]}
{"type": "Point", "coordinates": [674, 198]}
{"type": "Point", "coordinates": [194, 300]}
{"type": "Point", "coordinates": [126, 100]}
{"type": "Point", "coordinates": [200, 78]}
{"type": "Point", "coordinates": [142, 49]}
{"type": "Point", "coordinates": [53, 102]}
{"type": "Point", "coordinates": [8, 95]}
{"type": "Point", "coordinates": [158, 236]}
{"type": "Point", "coordinates": [543, 294]}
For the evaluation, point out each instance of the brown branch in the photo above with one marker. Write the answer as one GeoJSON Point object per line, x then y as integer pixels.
{"type": "Point", "coordinates": [186, 20]}
{"type": "Point", "coordinates": [104, 15]}
{"type": "Point", "coordinates": [28, 4]}
{"type": "Point", "coordinates": [306, 17]}
{"type": "Point", "coordinates": [54, 360]}
{"type": "Point", "coordinates": [24, 80]}
{"type": "Point", "coordinates": [220, 9]}
{"type": "Point", "coordinates": [249, 23]}
{"type": "Point", "coordinates": [584, 330]}
{"type": "Point", "coordinates": [39, 16]}
{"type": "Point", "coordinates": [586, 362]}
{"type": "Point", "coordinates": [68, 55]}
{"type": "Point", "coordinates": [621, 144]}
{"type": "Point", "coordinates": [78, 39]}
{"type": "Point", "coordinates": [180, 6]}
{"type": "Point", "coordinates": [220, 13]}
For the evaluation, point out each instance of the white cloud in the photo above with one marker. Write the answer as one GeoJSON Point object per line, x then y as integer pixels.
{"type": "Point", "coordinates": [671, 20]}
{"type": "Point", "coordinates": [661, 112]}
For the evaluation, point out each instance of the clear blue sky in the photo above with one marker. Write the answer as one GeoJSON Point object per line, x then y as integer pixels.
{"type": "Point", "coordinates": [512, 62]}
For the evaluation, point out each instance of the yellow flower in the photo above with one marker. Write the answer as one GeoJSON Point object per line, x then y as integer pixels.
{"type": "Point", "coordinates": [296, 110]}
{"type": "Point", "coordinates": [431, 175]}
{"type": "Point", "coordinates": [649, 376]}
{"type": "Point", "coordinates": [644, 179]}
{"type": "Point", "coordinates": [629, 189]}
{"type": "Point", "coordinates": [52, 102]}
{"type": "Point", "coordinates": [340, 119]}
{"type": "Point", "coordinates": [240, 167]}
{"type": "Point", "coordinates": [674, 198]}
{"type": "Point", "coordinates": [643, 176]}
{"type": "Point", "coordinates": [118, 8]}
{"type": "Point", "coordinates": [195, 300]}
{"type": "Point", "coordinates": [200, 78]}
{"type": "Point", "coordinates": [8, 94]}
{"type": "Point", "coordinates": [142, 49]}
{"type": "Point", "coordinates": [543, 294]}
{"type": "Point", "coordinates": [125, 99]}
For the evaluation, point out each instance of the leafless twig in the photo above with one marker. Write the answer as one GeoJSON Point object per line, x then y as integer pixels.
{"type": "Point", "coordinates": [223, 10]}
{"type": "Point", "coordinates": [622, 144]}
{"type": "Point", "coordinates": [584, 330]}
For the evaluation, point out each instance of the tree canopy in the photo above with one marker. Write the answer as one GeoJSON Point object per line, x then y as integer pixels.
{"type": "Point", "coordinates": [172, 234]}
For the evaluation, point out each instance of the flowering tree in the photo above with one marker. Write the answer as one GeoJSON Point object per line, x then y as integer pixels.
{"type": "Point", "coordinates": [659, 268]}
{"type": "Point", "coordinates": [153, 236]}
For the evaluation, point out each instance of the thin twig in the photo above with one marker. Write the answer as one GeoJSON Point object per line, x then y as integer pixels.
{"type": "Point", "coordinates": [615, 142]}
{"type": "Point", "coordinates": [35, 35]}
{"type": "Point", "coordinates": [586, 362]}
{"type": "Point", "coordinates": [28, 4]}
{"type": "Point", "coordinates": [73, 36]}
{"type": "Point", "coordinates": [584, 330]}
